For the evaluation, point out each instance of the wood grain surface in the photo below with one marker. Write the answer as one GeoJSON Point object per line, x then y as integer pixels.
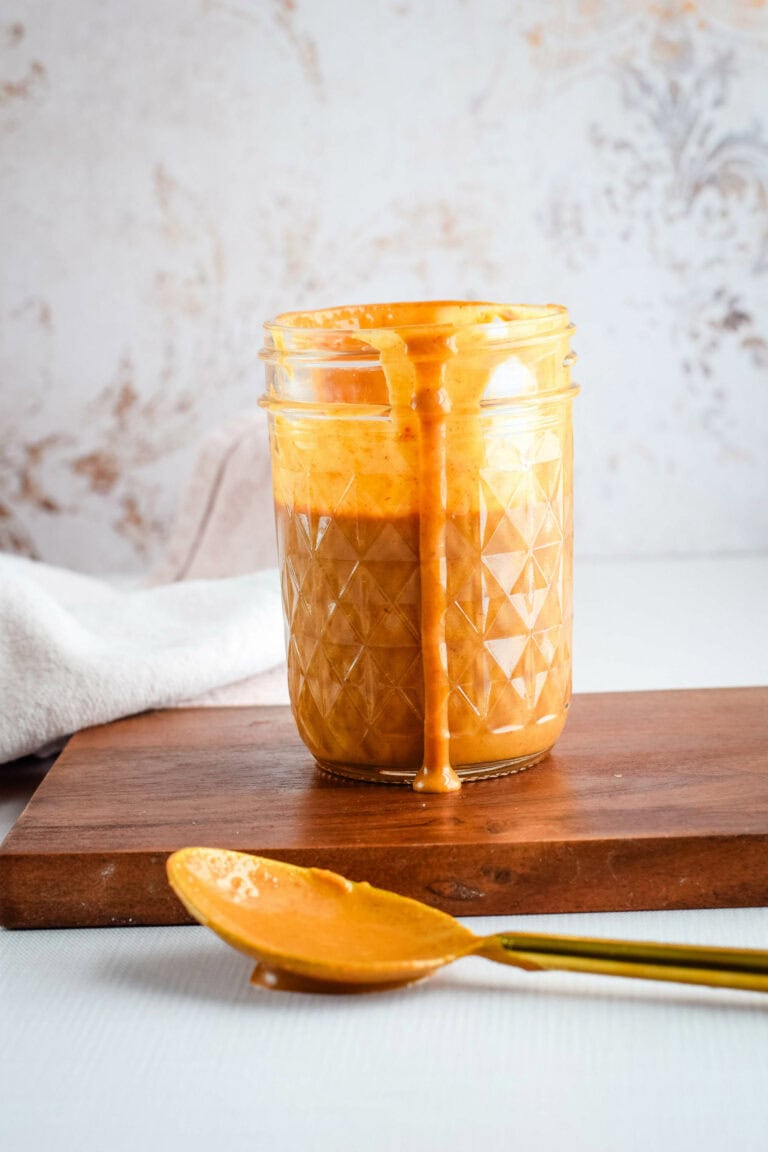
{"type": "Point", "coordinates": [650, 800]}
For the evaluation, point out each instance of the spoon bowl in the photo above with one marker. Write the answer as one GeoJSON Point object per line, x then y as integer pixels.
{"type": "Point", "coordinates": [314, 924]}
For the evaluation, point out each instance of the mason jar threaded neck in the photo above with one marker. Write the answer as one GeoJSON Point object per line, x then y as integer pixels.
{"type": "Point", "coordinates": [429, 328]}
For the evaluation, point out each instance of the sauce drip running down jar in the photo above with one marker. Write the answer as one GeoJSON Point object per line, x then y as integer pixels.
{"type": "Point", "coordinates": [422, 468]}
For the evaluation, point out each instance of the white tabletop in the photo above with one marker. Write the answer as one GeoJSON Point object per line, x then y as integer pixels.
{"type": "Point", "coordinates": [117, 1039]}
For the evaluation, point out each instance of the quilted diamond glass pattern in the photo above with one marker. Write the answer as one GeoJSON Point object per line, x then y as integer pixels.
{"type": "Point", "coordinates": [350, 580]}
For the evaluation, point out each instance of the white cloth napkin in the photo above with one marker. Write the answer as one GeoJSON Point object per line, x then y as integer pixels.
{"type": "Point", "coordinates": [77, 651]}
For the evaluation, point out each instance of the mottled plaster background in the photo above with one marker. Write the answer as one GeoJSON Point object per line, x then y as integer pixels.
{"type": "Point", "coordinates": [174, 172]}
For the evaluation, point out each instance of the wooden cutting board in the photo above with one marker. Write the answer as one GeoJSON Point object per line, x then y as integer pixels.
{"type": "Point", "coordinates": [651, 800]}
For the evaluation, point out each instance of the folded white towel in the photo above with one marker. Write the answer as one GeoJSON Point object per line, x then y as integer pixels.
{"type": "Point", "coordinates": [77, 651]}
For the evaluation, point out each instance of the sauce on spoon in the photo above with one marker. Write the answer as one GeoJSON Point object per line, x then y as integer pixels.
{"type": "Point", "coordinates": [314, 924]}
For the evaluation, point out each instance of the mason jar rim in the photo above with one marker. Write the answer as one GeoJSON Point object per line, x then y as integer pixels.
{"type": "Point", "coordinates": [341, 330]}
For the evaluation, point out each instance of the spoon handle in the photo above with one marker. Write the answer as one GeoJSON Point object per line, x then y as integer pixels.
{"type": "Point", "coordinates": [681, 963]}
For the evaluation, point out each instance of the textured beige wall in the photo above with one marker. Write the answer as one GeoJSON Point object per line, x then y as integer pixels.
{"type": "Point", "coordinates": [173, 171]}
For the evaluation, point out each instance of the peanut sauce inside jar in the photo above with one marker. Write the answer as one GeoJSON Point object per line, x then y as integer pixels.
{"type": "Point", "coordinates": [422, 468]}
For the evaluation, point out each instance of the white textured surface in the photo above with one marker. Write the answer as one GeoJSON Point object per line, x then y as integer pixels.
{"type": "Point", "coordinates": [175, 172]}
{"type": "Point", "coordinates": [123, 1039]}
{"type": "Point", "coordinates": [670, 624]}
{"type": "Point", "coordinates": [151, 1038]}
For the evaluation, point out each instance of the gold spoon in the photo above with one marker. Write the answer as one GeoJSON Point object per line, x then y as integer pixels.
{"type": "Point", "coordinates": [315, 931]}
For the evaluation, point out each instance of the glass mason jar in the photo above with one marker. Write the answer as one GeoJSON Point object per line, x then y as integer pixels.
{"type": "Point", "coordinates": [422, 468]}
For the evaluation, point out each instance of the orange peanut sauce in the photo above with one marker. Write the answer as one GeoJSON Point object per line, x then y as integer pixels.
{"type": "Point", "coordinates": [309, 925]}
